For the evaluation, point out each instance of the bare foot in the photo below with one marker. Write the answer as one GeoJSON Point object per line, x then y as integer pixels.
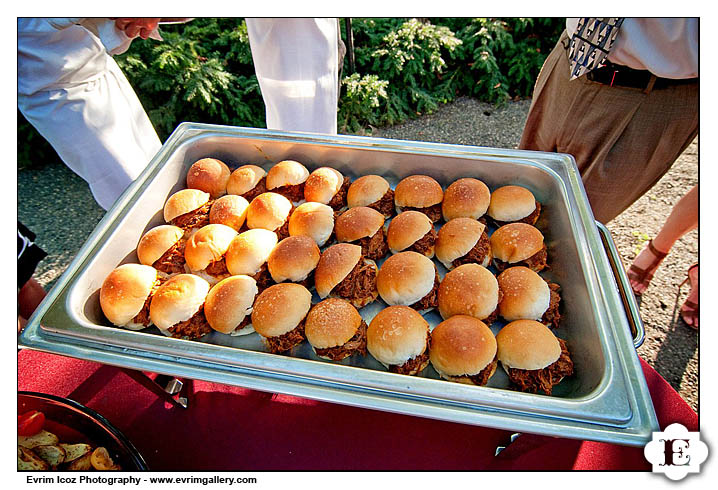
{"type": "Point", "coordinates": [689, 310]}
{"type": "Point", "coordinates": [646, 261]}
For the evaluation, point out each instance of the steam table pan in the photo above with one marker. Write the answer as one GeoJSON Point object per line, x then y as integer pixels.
{"type": "Point", "coordinates": [605, 400]}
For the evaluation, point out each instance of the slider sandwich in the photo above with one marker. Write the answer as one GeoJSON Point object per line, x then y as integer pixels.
{"type": "Point", "coordinates": [409, 279]}
{"type": "Point", "coordinates": [419, 193]}
{"type": "Point", "coordinates": [533, 357]}
{"type": "Point", "coordinates": [365, 227]}
{"type": "Point", "coordinates": [248, 253]}
{"type": "Point", "coordinates": [294, 259]}
{"type": "Point", "coordinates": [228, 306]}
{"type": "Point", "coordinates": [344, 272]}
{"type": "Point", "coordinates": [177, 308]}
{"type": "Point", "coordinates": [518, 244]}
{"type": "Point", "coordinates": [335, 330]}
{"type": "Point", "coordinates": [463, 350]}
{"type": "Point", "coordinates": [287, 178]}
{"type": "Point", "coordinates": [327, 186]}
{"type": "Point", "coordinates": [373, 192]}
{"type": "Point", "coordinates": [209, 175]}
{"type": "Point", "coordinates": [312, 219]}
{"type": "Point", "coordinates": [188, 209]}
{"type": "Point", "coordinates": [513, 204]}
{"type": "Point", "coordinates": [162, 247]}
{"type": "Point", "coordinates": [230, 210]}
{"type": "Point", "coordinates": [465, 198]}
{"type": "Point", "coordinates": [472, 290]}
{"type": "Point", "coordinates": [270, 211]}
{"type": "Point", "coordinates": [411, 231]}
{"type": "Point", "coordinates": [463, 241]}
{"type": "Point", "coordinates": [527, 296]}
{"type": "Point", "coordinates": [205, 252]}
{"type": "Point", "coordinates": [399, 338]}
{"type": "Point", "coordinates": [247, 181]}
{"type": "Point", "coordinates": [279, 314]}
{"type": "Point", "coordinates": [126, 294]}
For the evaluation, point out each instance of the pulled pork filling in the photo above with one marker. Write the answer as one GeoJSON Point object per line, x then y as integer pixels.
{"type": "Point", "coordinates": [431, 299]}
{"type": "Point", "coordinates": [552, 316]}
{"type": "Point", "coordinates": [340, 198]}
{"type": "Point", "coordinates": [263, 278]}
{"type": "Point", "coordinates": [374, 247]}
{"type": "Point", "coordinates": [536, 262]}
{"type": "Point", "coordinates": [530, 219]}
{"type": "Point", "coordinates": [294, 193]}
{"type": "Point", "coordinates": [477, 254]}
{"type": "Point", "coordinates": [482, 377]}
{"type": "Point", "coordinates": [193, 328]}
{"type": "Point", "coordinates": [143, 317]}
{"type": "Point", "coordinates": [415, 364]}
{"type": "Point", "coordinates": [359, 284]}
{"type": "Point", "coordinates": [194, 219]}
{"type": "Point", "coordinates": [218, 268]}
{"type": "Point", "coordinates": [356, 344]}
{"type": "Point", "coordinates": [433, 212]}
{"type": "Point", "coordinates": [385, 205]}
{"type": "Point", "coordinates": [283, 231]}
{"type": "Point", "coordinates": [260, 188]}
{"type": "Point", "coordinates": [425, 244]}
{"type": "Point", "coordinates": [284, 342]}
{"type": "Point", "coordinates": [172, 261]}
{"type": "Point", "coordinates": [543, 379]}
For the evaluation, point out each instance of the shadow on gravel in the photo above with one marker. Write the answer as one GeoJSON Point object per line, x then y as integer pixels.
{"type": "Point", "coordinates": [677, 350]}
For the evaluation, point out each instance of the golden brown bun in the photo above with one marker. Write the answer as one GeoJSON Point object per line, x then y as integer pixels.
{"type": "Point", "coordinates": [312, 219]}
{"type": "Point", "coordinates": [280, 308]}
{"type": "Point", "coordinates": [335, 263]}
{"type": "Point", "coordinates": [156, 242]}
{"type": "Point", "coordinates": [184, 201]}
{"type": "Point", "coordinates": [511, 203]}
{"type": "Point", "coordinates": [397, 334]}
{"type": "Point", "coordinates": [331, 322]}
{"type": "Point", "coordinates": [366, 190]}
{"type": "Point", "coordinates": [124, 292]}
{"type": "Point", "coordinates": [465, 198]}
{"type": "Point", "coordinates": [527, 344]}
{"type": "Point", "coordinates": [515, 242]}
{"type": "Point", "coordinates": [286, 172]}
{"type": "Point", "coordinates": [470, 289]}
{"type": "Point", "coordinates": [207, 245]}
{"type": "Point", "coordinates": [177, 300]}
{"type": "Point", "coordinates": [525, 295]}
{"type": "Point", "coordinates": [356, 223]}
{"type": "Point", "coordinates": [405, 278]}
{"type": "Point", "coordinates": [229, 302]}
{"type": "Point", "coordinates": [293, 259]}
{"type": "Point", "coordinates": [322, 184]}
{"type": "Point", "coordinates": [249, 250]}
{"type": "Point", "coordinates": [269, 211]}
{"type": "Point", "coordinates": [230, 210]}
{"type": "Point", "coordinates": [407, 228]}
{"type": "Point", "coordinates": [418, 191]}
{"type": "Point", "coordinates": [461, 345]}
{"type": "Point", "coordinates": [456, 238]}
{"type": "Point", "coordinates": [209, 175]}
{"type": "Point", "coordinates": [244, 179]}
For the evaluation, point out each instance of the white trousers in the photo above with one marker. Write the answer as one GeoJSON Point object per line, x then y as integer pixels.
{"type": "Point", "coordinates": [296, 63]}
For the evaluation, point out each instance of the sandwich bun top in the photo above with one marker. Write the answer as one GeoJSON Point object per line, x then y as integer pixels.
{"type": "Point", "coordinates": [280, 308]}
{"type": "Point", "coordinates": [397, 334]}
{"type": "Point", "coordinates": [470, 289]}
{"type": "Point", "coordinates": [269, 211]}
{"type": "Point", "coordinates": [183, 202]}
{"type": "Point", "coordinates": [405, 278]}
{"type": "Point", "coordinates": [125, 290]}
{"type": "Point", "coordinates": [357, 223]}
{"type": "Point", "coordinates": [312, 219]}
{"type": "Point", "coordinates": [335, 263]}
{"type": "Point", "coordinates": [249, 250]}
{"type": "Point", "coordinates": [331, 322]}
{"type": "Point", "coordinates": [177, 300]}
{"type": "Point", "coordinates": [244, 179]}
{"type": "Point", "coordinates": [515, 242]}
{"type": "Point", "coordinates": [511, 203]}
{"type": "Point", "coordinates": [155, 242]}
{"type": "Point", "coordinates": [207, 245]}
{"type": "Point", "coordinates": [465, 198]}
{"type": "Point", "coordinates": [209, 175]}
{"type": "Point", "coordinates": [293, 259]}
{"type": "Point", "coordinates": [525, 295]}
{"type": "Point", "coordinates": [322, 184]}
{"type": "Point", "coordinates": [366, 190]}
{"type": "Point", "coordinates": [461, 345]}
{"type": "Point", "coordinates": [527, 344]}
{"type": "Point", "coordinates": [407, 228]}
{"type": "Point", "coordinates": [230, 210]}
{"type": "Point", "coordinates": [229, 302]}
{"type": "Point", "coordinates": [456, 238]}
{"type": "Point", "coordinates": [418, 191]}
{"type": "Point", "coordinates": [286, 172]}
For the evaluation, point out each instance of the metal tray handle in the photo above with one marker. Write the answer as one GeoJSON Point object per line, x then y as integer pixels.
{"type": "Point", "coordinates": [624, 287]}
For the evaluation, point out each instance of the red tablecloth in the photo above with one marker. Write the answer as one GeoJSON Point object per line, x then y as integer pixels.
{"type": "Point", "coordinates": [230, 428]}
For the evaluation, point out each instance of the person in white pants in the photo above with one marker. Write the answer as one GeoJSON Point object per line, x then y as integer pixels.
{"type": "Point", "coordinates": [72, 91]}
{"type": "Point", "coordinates": [296, 61]}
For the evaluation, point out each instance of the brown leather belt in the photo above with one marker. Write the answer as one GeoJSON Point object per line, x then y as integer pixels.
{"type": "Point", "coordinates": [623, 76]}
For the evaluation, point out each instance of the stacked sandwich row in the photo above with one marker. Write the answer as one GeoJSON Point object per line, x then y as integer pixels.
{"type": "Point", "coordinates": [241, 251]}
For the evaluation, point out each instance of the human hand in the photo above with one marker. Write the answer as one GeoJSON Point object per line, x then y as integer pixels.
{"type": "Point", "coordinates": [137, 26]}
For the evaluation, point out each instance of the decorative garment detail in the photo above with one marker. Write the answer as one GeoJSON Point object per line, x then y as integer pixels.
{"type": "Point", "coordinates": [591, 43]}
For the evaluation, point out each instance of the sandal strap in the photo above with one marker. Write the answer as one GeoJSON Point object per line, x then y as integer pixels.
{"type": "Point", "coordinates": [656, 253]}
{"type": "Point", "coordinates": [691, 305]}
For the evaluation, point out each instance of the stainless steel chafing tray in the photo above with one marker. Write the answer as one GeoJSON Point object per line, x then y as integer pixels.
{"type": "Point", "coordinates": [606, 400]}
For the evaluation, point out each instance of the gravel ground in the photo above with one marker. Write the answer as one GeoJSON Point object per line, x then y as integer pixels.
{"type": "Point", "coordinates": [57, 205]}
